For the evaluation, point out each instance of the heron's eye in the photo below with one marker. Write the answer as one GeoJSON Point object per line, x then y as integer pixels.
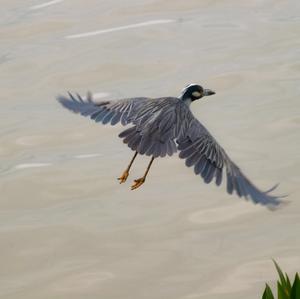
{"type": "Point", "coordinates": [196, 94]}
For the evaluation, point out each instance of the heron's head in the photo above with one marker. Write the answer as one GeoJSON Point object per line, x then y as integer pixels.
{"type": "Point", "coordinates": [193, 92]}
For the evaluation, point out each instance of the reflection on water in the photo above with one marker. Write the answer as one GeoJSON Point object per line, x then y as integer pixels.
{"type": "Point", "coordinates": [67, 228]}
{"type": "Point", "coordinates": [44, 5]}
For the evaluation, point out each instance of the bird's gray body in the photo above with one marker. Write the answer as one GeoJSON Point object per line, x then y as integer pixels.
{"type": "Point", "coordinates": [160, 127]}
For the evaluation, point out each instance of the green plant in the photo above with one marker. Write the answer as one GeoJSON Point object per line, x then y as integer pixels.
{"type": "Point", "coordinates": [285, 289]}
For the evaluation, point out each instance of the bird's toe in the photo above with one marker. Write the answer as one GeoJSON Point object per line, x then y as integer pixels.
{"type": "Point", "coordinates": [123, 177]}
{"type": "Point", "coordinates": [137, 183]}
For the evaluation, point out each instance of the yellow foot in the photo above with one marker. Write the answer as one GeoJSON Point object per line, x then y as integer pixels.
{"type": "Point", "coordinates": [123, 177]}
{"type": "Point", "coordinates": [137, 183]}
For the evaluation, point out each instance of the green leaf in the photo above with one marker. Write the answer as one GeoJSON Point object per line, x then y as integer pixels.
{"type": "Point", "coordinates": [295, 292]}
{"type": "Point", "coordinates": [267, 293]}
{"type": "Point", "coordinates": [282, 278]}
{"type": "Point", "coordinates": [288, 283]}
{"type": "Point", "coordinates": [281, 291]}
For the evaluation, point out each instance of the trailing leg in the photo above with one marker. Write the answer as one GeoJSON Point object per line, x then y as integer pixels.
{"type": "Point", "coordinates": [140, 181]}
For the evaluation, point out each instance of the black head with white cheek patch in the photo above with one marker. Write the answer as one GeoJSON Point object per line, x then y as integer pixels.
{"type": "Point", "coordinates": [195, 92]}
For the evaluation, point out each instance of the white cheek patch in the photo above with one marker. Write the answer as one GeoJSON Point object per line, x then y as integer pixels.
{"type": "Point", "coordinates": [196, 94]}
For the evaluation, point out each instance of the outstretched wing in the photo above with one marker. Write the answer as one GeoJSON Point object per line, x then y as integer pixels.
{"type": "Point", "coordinates": [201, 150]}
{"type": "Point", "coordinates": [106, 111]}
{"type": "Point", "coordinates": [156, 121]}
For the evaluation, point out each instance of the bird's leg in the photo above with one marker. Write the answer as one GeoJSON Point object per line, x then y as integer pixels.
{"type": "Point", "coordinates": [125, 174]}
{"type": "Point", "coordinates": [140, 181]}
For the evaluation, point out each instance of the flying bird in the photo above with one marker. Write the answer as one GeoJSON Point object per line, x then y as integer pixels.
{"type": "Point", "coordinates": [163, 126]}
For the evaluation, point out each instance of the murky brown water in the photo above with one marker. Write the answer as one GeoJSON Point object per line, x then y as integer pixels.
{"type": "Point", "coordinates": [67, 228]}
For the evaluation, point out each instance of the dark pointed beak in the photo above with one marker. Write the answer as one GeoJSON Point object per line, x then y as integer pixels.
{"type": "Point", "coordinates": [208, 92]}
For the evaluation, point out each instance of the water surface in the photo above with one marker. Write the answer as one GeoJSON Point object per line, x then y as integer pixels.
{"type": "Point", "coordinates": [67, 228]}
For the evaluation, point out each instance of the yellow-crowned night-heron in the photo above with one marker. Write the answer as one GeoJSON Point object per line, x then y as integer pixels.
{"type": "Point", "coordinates": [160, 127]}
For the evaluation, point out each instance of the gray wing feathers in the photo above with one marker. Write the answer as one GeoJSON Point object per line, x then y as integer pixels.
{"type": "Point", "coordinates": [106, 111]}
{"type": "Point", "coordinates": [201, 150]}
{"type": "Point", "coordinates": [155, 121]}
{"type": "Point", "coordinates": [155, 128]}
